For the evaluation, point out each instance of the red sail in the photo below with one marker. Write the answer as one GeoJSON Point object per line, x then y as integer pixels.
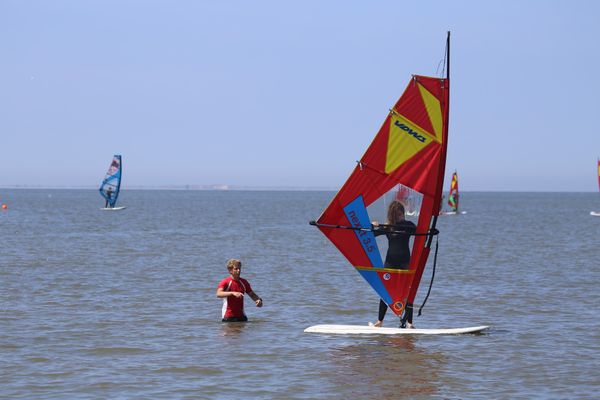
{"type": "Point", "coordinates": [409, 149]}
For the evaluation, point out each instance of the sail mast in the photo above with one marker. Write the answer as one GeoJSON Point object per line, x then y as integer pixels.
{"type": "Point", "coordinates": [443, 160]}
{"type": "Point", "coordinates": [437, 200]}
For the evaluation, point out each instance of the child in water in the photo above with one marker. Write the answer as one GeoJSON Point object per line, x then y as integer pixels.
{"type": "Point", "coordinates": [232, 290]}
{"type": "Point", "coordinates": [397, 230]}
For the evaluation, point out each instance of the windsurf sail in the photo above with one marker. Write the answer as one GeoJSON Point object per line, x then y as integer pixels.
{"type": "Point", "coordinates": [409, 151]}
{"type": "Point", "coordinates": [111, 185]}
{"type": "Point", "coordinates": [599, 174]}
{"type": "Point", "coordinates": [453, 195]}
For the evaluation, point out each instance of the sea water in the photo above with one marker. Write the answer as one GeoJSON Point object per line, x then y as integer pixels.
{"type": "Point", "coordinates": [99, 304]}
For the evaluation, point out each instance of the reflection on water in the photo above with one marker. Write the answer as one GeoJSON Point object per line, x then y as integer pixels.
{"type": "Point", "coordinates": [387, 367]}
{"type": "Point", "coordinates": [233, 328]}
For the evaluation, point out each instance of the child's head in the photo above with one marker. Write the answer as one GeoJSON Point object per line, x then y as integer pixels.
{"type": "Point", "coordinates": [395, 212]}
{"type": "Point", "coordinates": [233, 263]}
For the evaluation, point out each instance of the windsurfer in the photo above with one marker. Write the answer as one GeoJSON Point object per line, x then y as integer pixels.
{"type": "Point", "coordinates": [398, 253]}
{"type": "Point", "coordinates": [109, 193]}
{"type": "Point", "coordinates": [232, 290]}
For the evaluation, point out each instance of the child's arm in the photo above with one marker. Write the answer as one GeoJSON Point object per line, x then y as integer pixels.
{"type": "Point", "coordinates": [256, 299]}
{"type": "Point", "coordinates": [222, 293]}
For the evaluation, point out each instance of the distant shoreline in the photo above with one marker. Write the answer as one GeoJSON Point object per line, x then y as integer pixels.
{"type": "Point", "coordinates": [177, 187]}
{"type": "Point", "coordinates": [225, 188]}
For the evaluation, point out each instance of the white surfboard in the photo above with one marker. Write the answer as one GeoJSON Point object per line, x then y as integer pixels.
{"type": "Point", "coordinates": [453, 213]}
{"type": "Point", "coordinates": [595, 213]}
{"type": "Point", "coordinates": [371, 330]}
{"type": "Point", "coordinates": [112, 209]}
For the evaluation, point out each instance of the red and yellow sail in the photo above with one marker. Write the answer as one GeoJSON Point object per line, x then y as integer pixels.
{"type": "Point", "coordinates": [409, 149]}
{"type": "Point", "coordinates": [599, 174]}
{"type": "Point", "coordinates": [453, 195]}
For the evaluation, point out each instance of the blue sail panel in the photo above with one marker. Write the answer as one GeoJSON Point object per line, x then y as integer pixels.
{"type": "Point", "coordinates": [356, 212]}
{"type": "Point", "coordinates": [373, 278]}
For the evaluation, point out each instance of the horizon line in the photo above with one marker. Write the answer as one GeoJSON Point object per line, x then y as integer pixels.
{"type": "Point", "coordinates": [224, 188]}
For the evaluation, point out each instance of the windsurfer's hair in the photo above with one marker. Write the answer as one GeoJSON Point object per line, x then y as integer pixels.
{"type": "Point", "coordinates": [395, 211]}
{"type": "Point", "coordinates": [234, 262]}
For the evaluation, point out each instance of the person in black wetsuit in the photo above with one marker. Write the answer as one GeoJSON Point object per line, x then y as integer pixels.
{"type": "Point", "coordinates": [109, 193]}
{"type": "Point", "coordinates": [398, 253]}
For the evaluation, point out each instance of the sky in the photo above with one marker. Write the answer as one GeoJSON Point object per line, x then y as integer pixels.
{"type": "Point", "coordinates": [291, 93]}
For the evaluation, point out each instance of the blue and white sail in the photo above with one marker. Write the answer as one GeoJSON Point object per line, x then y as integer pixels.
{"type": "Point", "coordinates": [111, 185]}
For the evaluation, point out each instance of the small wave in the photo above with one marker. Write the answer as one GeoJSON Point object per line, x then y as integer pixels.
{"type": "Point", "coordinates": [116, 350]}
{"type": "Point", "coordinates": [38, 359]}
{"type": "Point", "coordinates": [9, 346]}
{"type": "Point", "coordinates": [191, 370]}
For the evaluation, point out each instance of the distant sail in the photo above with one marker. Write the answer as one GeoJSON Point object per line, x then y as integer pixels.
{"type": "Point", "coordinates": [597, 213]}
{"type": "Point", "coordinates": [409, 150]}
{"type": "Point", "coordinates": [111, 185]}
{"type": "Point", "coordinates": [599, 174]}
{"type": "Point", "coordinates": [453, 195]}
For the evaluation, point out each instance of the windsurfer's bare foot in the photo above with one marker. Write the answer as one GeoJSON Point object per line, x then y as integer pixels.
{"type": "Point", "coordinates": [378, 324]}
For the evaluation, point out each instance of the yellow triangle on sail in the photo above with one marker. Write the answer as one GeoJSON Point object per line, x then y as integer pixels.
{"type": "Point", "coordinates": [434, 111]}
{"type": "Point", "coordinates": [405, 140]}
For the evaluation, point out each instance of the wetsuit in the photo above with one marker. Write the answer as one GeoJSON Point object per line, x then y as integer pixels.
{"type": "Point", "coordinates": [233, 307]}
{"type": "Point", "coordinates": [397, 257]}
{"type": "Point", "coordinates": [108, 196]}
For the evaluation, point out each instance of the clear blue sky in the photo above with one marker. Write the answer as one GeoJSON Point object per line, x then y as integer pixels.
{"type": "Point", "coordinates": [290, 93]}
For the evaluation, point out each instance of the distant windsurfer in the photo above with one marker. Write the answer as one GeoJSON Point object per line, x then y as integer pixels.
{"type": "Point", "coordinates": [109, 193]}
{"type": "Point", "coordinates": [398, 253]}
{"type": "Point", "coordinates": [232, 290]}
